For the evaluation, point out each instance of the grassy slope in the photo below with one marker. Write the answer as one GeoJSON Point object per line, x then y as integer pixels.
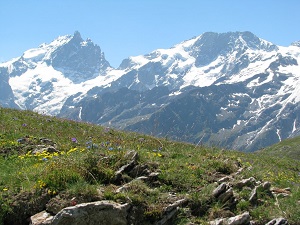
{"type": "Point", "coordinates": [87, 165]}
{"type": "Point", "coordinates": [287, 148]}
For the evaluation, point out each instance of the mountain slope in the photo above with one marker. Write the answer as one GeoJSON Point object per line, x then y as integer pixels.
{"type": "Point", "coordinates": [289, 148]}
{"type": "Point", "coordinates": [238, 90]}
{"type": "Point", "coordinates": [48, 163]}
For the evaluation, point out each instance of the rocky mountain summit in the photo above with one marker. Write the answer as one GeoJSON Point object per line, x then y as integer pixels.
{"type": "Point", "coordinates": [232, 89]}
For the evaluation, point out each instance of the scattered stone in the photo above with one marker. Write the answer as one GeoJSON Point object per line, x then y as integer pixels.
{"type": "Point", "coordinates": [139, 170]}
{"type": "Point", "coordinates": [133, 157]}
{"type": "Point", "coordinates": [250, 182]}
{"type": "Point", "coordinates": [47, 141]}
{"type": "Point", "coordinates": [224, 179]}
{"type": "Point", "coordinates": [153, 176]}
{"type": "Point", "coordinates": [226, 196]}
{"type": "Point", "coordinates": [109, 213]}
{"type": "Point", "coordinates": [266, 186]}
{"type": "Point", "coordinates": [281, 192]}
{"type": "Point", "coordinates": [176, 204]}
{"type": "Point", "coordinates": [243, 219]}
{"type": "Point", "coordinates": [253, 196]}
{"type": "Point", "coordinates": [282, 195]}
{"type": "Point", "coordinates": [278, 221]}
{"type": "Point", "coordinates": [125, 187]}
{"type": "Point", "coordinates": [42, 218]}
{"type": "Point", "coordinates": [239, 171]}
{"type": "Point", "coordinates": [171, 211]}
{"type": "Point", "coordinates": [143, 178]}
{"type": "Point", "coordinates": [220, 189]}
{"type": "Point", "coordinates": [44, 148]}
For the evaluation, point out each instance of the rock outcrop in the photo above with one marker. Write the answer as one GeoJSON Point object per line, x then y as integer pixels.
{"type": "Point", "coordinates": [92, 213]}
{"type": "Point", "coordinates": [243, 219]}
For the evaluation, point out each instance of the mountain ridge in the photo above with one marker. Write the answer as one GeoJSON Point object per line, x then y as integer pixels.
{"type": "Point", "coordinates": [263, 78]}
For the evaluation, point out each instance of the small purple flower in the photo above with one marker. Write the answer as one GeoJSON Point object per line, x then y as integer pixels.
{"type": "Point", "coordinates": [74, 140]}
{"type": "Point", "coordinates": [110, 148]}
{"type": "Point", "coordinates": [24, 124]}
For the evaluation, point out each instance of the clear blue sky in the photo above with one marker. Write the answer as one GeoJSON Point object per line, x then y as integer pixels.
{"type": "Point", "coordinates": [124, 28]}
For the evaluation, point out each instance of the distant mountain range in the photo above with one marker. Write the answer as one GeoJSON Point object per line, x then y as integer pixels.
{"type": "Point", "coordinates": [232, 89]}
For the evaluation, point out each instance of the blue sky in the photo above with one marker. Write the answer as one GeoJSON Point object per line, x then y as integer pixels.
{"type": "Point", "coordinates": [124, 28]}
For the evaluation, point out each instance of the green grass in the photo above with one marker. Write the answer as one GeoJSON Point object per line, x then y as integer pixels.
{"type": "Point", "coordinates": [287, 148]}
{"type": "Point", "coordinates": [85, 168]}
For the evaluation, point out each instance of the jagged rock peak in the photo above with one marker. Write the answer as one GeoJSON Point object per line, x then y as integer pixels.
{"type": "Point", "coordinates": [76, 34]}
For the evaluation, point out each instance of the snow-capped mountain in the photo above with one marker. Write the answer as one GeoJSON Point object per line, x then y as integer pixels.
{"type": "Point", "coordinates": [230, 89]}
{"type": "Point", "coordinates": [42, 78]}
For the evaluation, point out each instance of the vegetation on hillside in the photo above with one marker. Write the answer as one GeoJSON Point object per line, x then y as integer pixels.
{"type": "Point", "coordinates": [46, 159]}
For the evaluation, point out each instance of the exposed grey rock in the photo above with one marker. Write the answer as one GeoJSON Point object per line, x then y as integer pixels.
{"type": "Point", "coordinates": [226, 196]}
{"type": "Point", "coordinates": [93, 213]}
{"type": "Point", "coordinates": [171, 211]}
{"type": "Point", "coordinates": [224, 179]}
{"type": "Point", "coordinates": [220, 189]}
{"type": "Point", "coordinates": [253, 196]}
{"type": "Point", "coordinates": [282, 195]}
{"type": "Point", "coordinates": [278, 221]}
{"type": "Point", "coordinates": [132, 157]}
{"type": "Point", "coordinates": [41, 218]}
{"type": "Point", "coordinates": [239, 171]}
{"type": "Point", "coordinates": [243, 219]}
{"type": "Point", "coordinates": [139, 170]}
{"type": "Point", "coordinates": [153, 176]}
{"type": "Point", "coordinates": [249, 182]}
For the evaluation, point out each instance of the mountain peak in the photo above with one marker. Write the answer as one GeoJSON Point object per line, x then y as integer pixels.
{"type": "Point", "coordinates": [77, 34]}
{"type": "Point", "coordinates": [210, 45]}
{"type": "Point", "coordinates": [77, 37]}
